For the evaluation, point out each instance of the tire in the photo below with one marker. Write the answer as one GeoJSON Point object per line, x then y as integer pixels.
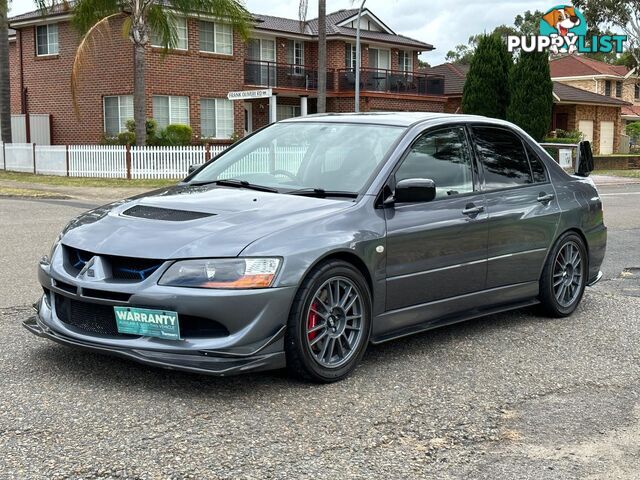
{"type": "Point", "coordinates": [563, 280]}
{"type": "Point", "coordinates": [322, 329]}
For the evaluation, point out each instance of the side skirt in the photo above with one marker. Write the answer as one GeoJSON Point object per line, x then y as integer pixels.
{"type": "Point", "coordinates": [444, 312]}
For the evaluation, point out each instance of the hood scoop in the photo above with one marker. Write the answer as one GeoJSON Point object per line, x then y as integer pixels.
{"type": "Point", "coordinates": [165, 214]}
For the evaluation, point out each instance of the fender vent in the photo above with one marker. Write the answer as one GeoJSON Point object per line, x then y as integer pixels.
{"type": "Point", "coordinates": [165, 214]}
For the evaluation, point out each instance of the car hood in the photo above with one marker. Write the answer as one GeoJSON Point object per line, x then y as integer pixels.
{"type": "Point", "coordinates": [234, 219]}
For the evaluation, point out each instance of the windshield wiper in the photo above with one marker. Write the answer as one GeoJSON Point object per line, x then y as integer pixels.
{"type": "Point", "coordinates": [238, 184]}
{"type": "Point", "coordinates": [322, 193]}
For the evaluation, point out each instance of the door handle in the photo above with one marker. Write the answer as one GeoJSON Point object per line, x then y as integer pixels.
{"type": "Point", "coordinates": [471, 210]}
{"type": "Point", "coordinates": [545, 198]}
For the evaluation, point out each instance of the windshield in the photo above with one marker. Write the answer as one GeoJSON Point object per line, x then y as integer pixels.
{"type": "Point", "coordinates": [297, 155]}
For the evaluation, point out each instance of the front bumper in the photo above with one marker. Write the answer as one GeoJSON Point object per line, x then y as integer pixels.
{"type": "Point", "coordinates": [201, 362]}
{"type": "Point", "coordinates": [255, 322]}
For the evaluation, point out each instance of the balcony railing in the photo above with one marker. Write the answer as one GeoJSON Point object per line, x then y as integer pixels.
{"type": "Point", "coordinates": [283, 75]}
{"type": "Point", "coordinates": [391, 81]}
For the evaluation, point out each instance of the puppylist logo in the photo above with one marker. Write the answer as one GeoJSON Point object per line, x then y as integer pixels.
{"type": "Point", "coordinates": [563, 29]}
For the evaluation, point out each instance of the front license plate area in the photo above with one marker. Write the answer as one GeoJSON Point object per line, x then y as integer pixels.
{"type": "Point", "coordinates": [147, 323]}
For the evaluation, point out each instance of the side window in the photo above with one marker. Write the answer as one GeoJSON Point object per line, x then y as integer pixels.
{"type": "Point", "coordinates": [537, 166]}
{"type": "Point", "coordinates": [503, 157]}
{"type": "Point", "coordinates": [444, 157]}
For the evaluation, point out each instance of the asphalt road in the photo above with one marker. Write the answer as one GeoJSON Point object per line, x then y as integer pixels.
{"type": "Point", "coordinates": [510, 396]}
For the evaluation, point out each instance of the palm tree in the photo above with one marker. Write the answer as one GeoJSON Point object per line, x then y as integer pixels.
{"type": "Point", "coordinates": [141, 17]}
{"type": "Point", "coordinates": [5, 87]}
{"type": "Point", "coordinates": [322, 49]}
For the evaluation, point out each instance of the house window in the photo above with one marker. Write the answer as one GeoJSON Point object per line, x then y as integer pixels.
{"type": "Point", "coordinates": [117, 110]}
{"type": "Point", "coordinates": [607, 88]}
{"type": "Point", "coordinates": [405, 61]}
{"type": "Point", "coordinates": [295, 56]}
{"type": "Point", "coordinates": [216, 118]}
{"type": "Point", "coordinates": [182, 42]}
{"type": "Point", "coordinates": [619, 89]}
{"type": "Point", "coordinates": [350, 56]}
{"type": "Point", "coordinates": [216, 38]}
{"type": "Point", "coordinates": [170, 110]}
{"type": "Point", "coordinates": [287, 111]}
{"type": "Point", "coordinates": [637, 88]}
{"type": "Point", "coordinates": [47, 39]}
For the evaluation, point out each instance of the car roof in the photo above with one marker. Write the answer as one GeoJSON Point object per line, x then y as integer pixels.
{"type": "Point", "coordinates": [397, 119]}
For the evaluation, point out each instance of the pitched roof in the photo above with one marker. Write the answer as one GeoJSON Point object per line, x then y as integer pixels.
{"type": "Point", "coordinates": [580, 66]}
{"type": "Point", "coordinates": [567, 94]}
{"type": "Point", "coordinates": [310, 28]}
{"type": "Point", "coordinates": [455, 75]}
{"type": "Point", "coordinates": [62, 8]}
{"type": "Point", "coordinates": [631, 111]}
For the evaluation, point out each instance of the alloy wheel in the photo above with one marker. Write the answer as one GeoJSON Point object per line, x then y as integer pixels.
{"type": "Point", "coordinates": [334, 322]}
{"type": "Point", "coordinates": [568, 274]}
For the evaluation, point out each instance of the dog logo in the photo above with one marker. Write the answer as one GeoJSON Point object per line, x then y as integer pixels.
{"type": "Point", "coordinates": [566, 23]}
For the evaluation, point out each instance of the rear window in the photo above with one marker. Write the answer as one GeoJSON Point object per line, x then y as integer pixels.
{"type": "Point", "coordinates": [503, 158]}
{"type": "Point", "coordinates": [537, 166]}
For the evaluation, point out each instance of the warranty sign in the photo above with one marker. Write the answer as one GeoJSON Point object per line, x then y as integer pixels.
{"type": "Point", "coordinates": [147, 323]}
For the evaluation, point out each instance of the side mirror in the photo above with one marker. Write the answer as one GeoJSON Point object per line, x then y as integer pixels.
{"type": "Point", "coordinates": [584, 159]}
{"type": "Point", "coordinates": [193, 168]}
{"type": "Point", "coordinates": [415, 190]}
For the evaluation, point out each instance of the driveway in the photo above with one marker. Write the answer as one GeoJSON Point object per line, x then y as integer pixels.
{"type": "Point", "coordinates": [510, 396]}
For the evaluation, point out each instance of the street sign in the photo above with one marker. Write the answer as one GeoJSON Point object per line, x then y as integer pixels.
{"type": "Point", "coordinates": [249, 94]}
{"type": "Point", "coordinates": [566, 157]}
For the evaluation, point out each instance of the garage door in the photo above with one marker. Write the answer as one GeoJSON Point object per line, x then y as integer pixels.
{"type": "Point", "coordinates": [606, 138]}
{"type": "Point", "coordinates": [586, 128]}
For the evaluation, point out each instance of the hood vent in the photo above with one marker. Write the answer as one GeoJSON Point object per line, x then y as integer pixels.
{"type": "Point", "coordinates": [166, 214]}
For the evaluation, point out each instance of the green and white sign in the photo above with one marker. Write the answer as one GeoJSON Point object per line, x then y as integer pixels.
{"type": "Point", "coordinates": [148, 323]}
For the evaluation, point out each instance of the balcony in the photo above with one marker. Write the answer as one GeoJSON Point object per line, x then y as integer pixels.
{"type": "Point", "coordinates": [391, 81]}
{"type": "Point", "coordinates": [297, 77]}
{"type": "Point", "coordinates": [283, 75]}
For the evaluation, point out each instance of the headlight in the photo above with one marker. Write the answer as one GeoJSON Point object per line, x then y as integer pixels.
{"type": "Point", "coordinates": [222, 273]}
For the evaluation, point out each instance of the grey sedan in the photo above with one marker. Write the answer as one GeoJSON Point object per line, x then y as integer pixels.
{"type": "Point", "coordinates": [316, 236]}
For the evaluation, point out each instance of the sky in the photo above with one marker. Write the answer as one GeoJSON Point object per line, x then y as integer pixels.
{"type": "Point", "coordinates": [442, 23]}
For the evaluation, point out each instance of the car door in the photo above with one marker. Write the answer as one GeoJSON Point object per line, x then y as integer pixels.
{"type": "Point", "coordinates": [523, 211]}
{"type": "Point", "coordinates": [437, 250]}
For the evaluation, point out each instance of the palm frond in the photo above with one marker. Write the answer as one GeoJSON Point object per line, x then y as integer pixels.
{"type": "Point", "coordinates": [231, 11]}
{"type": "Point", "coordinates": [86, 13]}
{"type": "Point", "coordinates": [162, 22]}
{"type": "Point", "coordinates": [101, 28]}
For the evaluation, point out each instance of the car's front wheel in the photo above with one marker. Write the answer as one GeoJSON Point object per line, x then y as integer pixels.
{"type": "Point", "coordinates": [330, 322]}
{"type": "Point", "coordinates": [564, 276]}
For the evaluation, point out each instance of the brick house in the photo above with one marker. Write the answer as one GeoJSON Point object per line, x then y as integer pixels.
{"type": "Point", "coordinates": [455, 75]}
{"type": "Point", "coordinates": [190, 84]}
{"type": "Point", "coordinates": [612, 81]}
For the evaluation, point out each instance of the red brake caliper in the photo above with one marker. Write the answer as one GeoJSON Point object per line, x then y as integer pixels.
{"type": "Point", "coordinates": [313, 320]}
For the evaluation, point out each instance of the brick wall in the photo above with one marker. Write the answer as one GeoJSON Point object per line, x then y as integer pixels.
{"type": "Point", "coordinates": [14, 77]}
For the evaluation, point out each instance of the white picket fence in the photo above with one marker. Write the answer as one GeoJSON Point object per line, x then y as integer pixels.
{"type": "Point", "coordinates": [111, 161]}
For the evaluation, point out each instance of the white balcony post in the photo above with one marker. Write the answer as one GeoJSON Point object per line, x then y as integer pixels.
{"type": "Point", "coordinates": [273, 109]}
{"type": "Point", "coordinates": [303, 106]}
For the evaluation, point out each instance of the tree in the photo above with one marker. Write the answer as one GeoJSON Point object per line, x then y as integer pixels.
{"type": "Point", "coordinates": [623, 14]}
{"type": "Point", "coordinates": [633, 130]}
{"type": "Point", "coordinates": [141, 17]}
{"type": "Point", "coordinates": [322, 47]}
{"type": "Point", "coordinates": [531, 91]}
{"type": "Point", "coordinates": [486, 90]}
{"type": "Point", "coordinates": [525, 24]}
{"type": "Point", "coordinates": [5, 85]}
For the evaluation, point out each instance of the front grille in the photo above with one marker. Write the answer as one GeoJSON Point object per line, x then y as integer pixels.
{"type": "Point", "coordinates": [87, 317]}
{"type": "Point", "coordinates": [166, 214]}
{"type": "Point", "coordinates": [122, 268]}
{"type": "Point", "coordinates": [93, 318]}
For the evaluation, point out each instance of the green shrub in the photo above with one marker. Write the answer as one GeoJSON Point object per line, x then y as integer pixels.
{"type": "Point", "coordinates": [126, 138]}
{"type": "Point", "coordinates": [109, 140]}
{"type": "Point", "coordinates": [176, 135]}
{"type": "Point", "coordinates": [568, 141]}
{"type": "Point", "coordinates": [633, 130]}
{"type": "Point", "coordinates": [575, 135]}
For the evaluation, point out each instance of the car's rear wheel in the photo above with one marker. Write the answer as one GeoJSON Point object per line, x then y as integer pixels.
{"type": "Point", "coordinates": [564, 276]}
{"type": "Point", "coordinates": [330, 322]}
